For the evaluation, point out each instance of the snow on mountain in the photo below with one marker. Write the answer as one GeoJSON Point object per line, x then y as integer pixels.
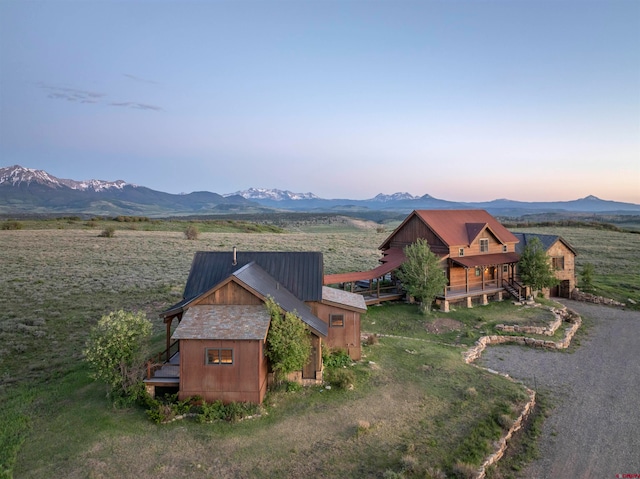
{"type": "Point", "coordinates": [395, 197]}
{"type": "Point", "coordinates": [17, 175]}
{"type": "Point", "coordinates": [272, 194]}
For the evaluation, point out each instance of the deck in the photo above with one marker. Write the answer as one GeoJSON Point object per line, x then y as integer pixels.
{"type": "Point", "coordinates": [165, 374]}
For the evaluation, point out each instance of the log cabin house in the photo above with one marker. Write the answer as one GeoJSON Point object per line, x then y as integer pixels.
{"type": "Point", "coordinates": [217, 348]}
{"type": "Point", "coordinates": [477, 253]}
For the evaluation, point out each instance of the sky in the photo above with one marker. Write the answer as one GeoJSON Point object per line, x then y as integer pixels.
{"type": "Point", "coordinates": [464, 100]}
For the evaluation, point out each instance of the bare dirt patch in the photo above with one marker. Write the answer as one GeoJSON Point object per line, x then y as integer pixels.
{"type": "Point", "coordinates": [443, 325]}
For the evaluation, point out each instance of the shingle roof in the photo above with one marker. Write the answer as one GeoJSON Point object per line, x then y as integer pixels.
{"type": "Point", "coordinates": [458, 227]}
{"type": "Point", "coordinates": [238, 322]}
{"type": "Point", "coordinates": [262, 282]}
{"type": "Point", "coordinates": [344, 298]}
{"type": "Point", "coordinates": [546, 240]}
{"type": "Point", "coordinates": [300, 272]}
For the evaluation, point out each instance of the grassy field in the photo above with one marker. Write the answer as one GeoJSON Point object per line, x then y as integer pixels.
{"type": "Point", "coordinates": [416, 407]}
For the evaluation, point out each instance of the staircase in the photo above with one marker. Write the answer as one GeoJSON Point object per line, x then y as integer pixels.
{"type": "Point", "coordinates": [514, 289]}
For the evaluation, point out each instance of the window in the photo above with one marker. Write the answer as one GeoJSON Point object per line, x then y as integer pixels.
{"type": "Point", "coordinates": [558, 263]}
{"type": "Point", "coordinates": [478, 271]}
{"type": "Point", "coordinates": [505, 268]}
{"type": "Point", "coordinates": [484, 245]}
{"type": "Point", "coordinates": [336, 320]}
{"type": "Point", "coordinates": [461, 252]}
{"type": "Point", "coordinates": [219, 356]}
{"type": "Point", "coordinates": [505, 248]}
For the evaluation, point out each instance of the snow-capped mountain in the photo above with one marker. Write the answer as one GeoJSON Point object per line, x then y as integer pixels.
{"type": "Point", "coordinates": [394, 197]}
{"type": "Point", "coordinates": [17, 175]}
{"type": "Point", "coordinates": [272, 194]}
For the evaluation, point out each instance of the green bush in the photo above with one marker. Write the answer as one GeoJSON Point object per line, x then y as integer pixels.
{"type": "Point", "coordinates": [11, 225]}
{"type": "Point", "coordinates": [339, 378]}
{"type": "Point", "coordinates": [335, 359]}
{"type": "Point", "coordinates": [108, 232]}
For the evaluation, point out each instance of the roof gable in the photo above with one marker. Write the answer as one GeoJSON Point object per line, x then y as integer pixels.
{"type": "Point", "coordinates": [232, 322]}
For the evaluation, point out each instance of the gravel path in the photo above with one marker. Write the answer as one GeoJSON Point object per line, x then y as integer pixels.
{"type": "Point", "coordinates": [594, 427]}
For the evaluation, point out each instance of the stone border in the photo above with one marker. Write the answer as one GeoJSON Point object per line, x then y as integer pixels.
{"type": "Point", "coordinates": [476, 351]}
{"type": "Point", "coordinates": [549, 330]}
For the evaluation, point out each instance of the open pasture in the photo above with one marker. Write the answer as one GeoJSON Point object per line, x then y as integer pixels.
{"type": "Point", "coordinates": [417, 408]}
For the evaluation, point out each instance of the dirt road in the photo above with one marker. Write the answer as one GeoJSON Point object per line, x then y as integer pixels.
{"type": "Point", "coordinates": [594, 428]}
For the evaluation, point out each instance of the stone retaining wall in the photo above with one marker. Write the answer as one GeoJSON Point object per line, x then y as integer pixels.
{"type": "Point", "coordinates": [474, 353]}
{"type": "Point", "coordinates": [578, 295]}
{"type": "Point", "coordinates": [541, 330]}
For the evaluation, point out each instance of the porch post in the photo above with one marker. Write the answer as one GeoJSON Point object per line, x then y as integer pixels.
{"type": "Point", "coordinates": [168, 323]}
{"type": "Point", "coordinates": [466, 277]}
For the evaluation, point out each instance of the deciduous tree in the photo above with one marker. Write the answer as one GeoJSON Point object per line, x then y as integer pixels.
{"type": "Point", "coordinates": [421, 273]}
{"type": "Point", "coordinates": [534, 266]}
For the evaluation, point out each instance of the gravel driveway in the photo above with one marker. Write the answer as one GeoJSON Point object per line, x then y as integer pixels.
{"type": "Point", "coordinates": [594, 427]}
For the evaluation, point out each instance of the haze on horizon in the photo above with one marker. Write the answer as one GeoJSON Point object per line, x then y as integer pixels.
{"type": "Point", "coordinates": [465, 101]}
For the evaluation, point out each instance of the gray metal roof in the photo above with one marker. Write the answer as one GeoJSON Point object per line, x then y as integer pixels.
{"type": "Point", "coordinates": [299, 272]}
{"type": "Point", "coordinates": [345, 298]}
{"type": "Point", "coordinates": [266, 285]}
{"type": "Point", "coordinates": [546, 240]}
{"type": "Point", "coordinates": [239, 322]}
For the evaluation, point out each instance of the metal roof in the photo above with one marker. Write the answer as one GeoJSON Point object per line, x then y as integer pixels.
{"type": "Point", "coordinates": [486, 259]}
{"type": "Point", "coordinates": [547, 241]}
{"type": "Point", "coordinates": [458, 227]}
{"type": "Point", "coordinates": [300, 272]}
{"type": "Point", "coordinates": [239, 322]}
{"type": "Point", "coordinates": [344, 298]}
{"type": "Point", "coordinates": [256, 278]}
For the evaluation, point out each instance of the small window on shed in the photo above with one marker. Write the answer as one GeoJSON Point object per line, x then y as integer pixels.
{"type": "Point", "coordinates": [219, 356]}
{"type": "Point", "coordinates": [336, 320]}
{"type": "Point", "coordinates": [484, 245]}
{"type": "Point", "coordinates": [461, 252]}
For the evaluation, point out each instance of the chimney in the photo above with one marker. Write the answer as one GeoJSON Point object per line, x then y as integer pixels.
{"type": "Point", "coordinates": [235, 256]}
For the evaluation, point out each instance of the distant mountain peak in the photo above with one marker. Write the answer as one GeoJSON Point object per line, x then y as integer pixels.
{"type": "Point", "coordinates": [272, 194]}
{"type": "Point", "coordinates": [592, 198]}
{"type": "Point", "coordinates": [394, 197]}
{"type": "Point", "coordinates": [17, 175]}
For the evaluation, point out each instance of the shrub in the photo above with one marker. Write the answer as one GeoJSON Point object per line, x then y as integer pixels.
{"type": "Point", "coordinates": [462, 470]}
{"type": "Point", "coordinates": [108, 232]}
{"type": "Point", "coordinates": [372, 339]}
{"type": "Point", "coordinates": [11, 225]}
{"type": "Point", "coordinates": [339, 378]}
{"type": "Point", "coordinates": [116, 352]}
{"type": "Point", "coordinates": [191, 232]}
{"type": "Point", "coordinates": [335, 359]}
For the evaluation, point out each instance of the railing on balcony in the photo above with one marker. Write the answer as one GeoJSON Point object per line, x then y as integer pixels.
{"type": "Point", "coordinates": [163, 362]}
{"type": "Point", "coordinates": [476, 288]}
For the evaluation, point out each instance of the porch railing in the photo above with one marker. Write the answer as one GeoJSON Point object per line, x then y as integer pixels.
{"type": "Point", "coordinates": [156, 362]}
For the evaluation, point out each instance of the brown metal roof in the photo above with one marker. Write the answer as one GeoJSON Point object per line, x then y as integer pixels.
{"type": "Point", "coordinates": [393, 259]}
{"type": "Point", "coordinates": [239, 322]}
{"type": "Point", "coordinates": [486, 259]}
{"type": "Point", "coordinates": [344, 298]}
{"type": "Point", "coordinates": [458, 227]}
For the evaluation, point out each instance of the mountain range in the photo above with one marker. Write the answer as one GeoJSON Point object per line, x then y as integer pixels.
{"type": "Point", "coordinates": [31, 191]}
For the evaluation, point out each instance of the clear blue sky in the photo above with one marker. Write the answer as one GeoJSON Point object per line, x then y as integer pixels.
{"type": "Point", "coordinates": [463, 100]}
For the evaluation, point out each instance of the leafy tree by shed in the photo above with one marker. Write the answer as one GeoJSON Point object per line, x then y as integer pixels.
{"type": "Point", "coordinates": [116, 351]}
{"type": "Point", "coordinates": [421, 273]}
{"type": "Point", "coordinates": [288, 342]}
{"type": "Point", "coordinates": [534, 266]}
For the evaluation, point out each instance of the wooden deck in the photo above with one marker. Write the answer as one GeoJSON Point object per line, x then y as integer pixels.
{"type": "Point", "coordinates": [166, 374]}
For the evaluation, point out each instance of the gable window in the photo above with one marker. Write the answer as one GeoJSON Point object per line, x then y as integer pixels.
{"type": "Point", "coordinates": [336, 320]}
{"type": "Point", "coordinates": [461, 252]}
{"type": "Point", "coordinates": [484, 245]}
{"type": "Point", "coordinates": [219, 356]}
{"type": "Point", "coordinates": [558, 263]}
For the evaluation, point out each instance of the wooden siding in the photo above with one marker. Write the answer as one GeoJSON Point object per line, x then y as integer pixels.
{"type": "Point", "coordinates": [415, 228]}
{"type": "Point", "coordinates": [243, 381]}
{"type": "Point", "coordinates": [346, 337]}
{"type": "Point", "coordinates": [230, 293]}
{"type": "Point", "coordinates": [474, 249]}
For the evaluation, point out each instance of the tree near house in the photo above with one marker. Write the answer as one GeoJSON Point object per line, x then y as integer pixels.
{"type": "Point", "coordinates": [536, 271]}
{"type": "Point", "coordinates": [288, 342]}
{"type": "Point", "coordinates": [116, 352]}
{"type": "Point", "coordinates": [421, 273]}
{"type": "Point", "coordinates": [586, 277]}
